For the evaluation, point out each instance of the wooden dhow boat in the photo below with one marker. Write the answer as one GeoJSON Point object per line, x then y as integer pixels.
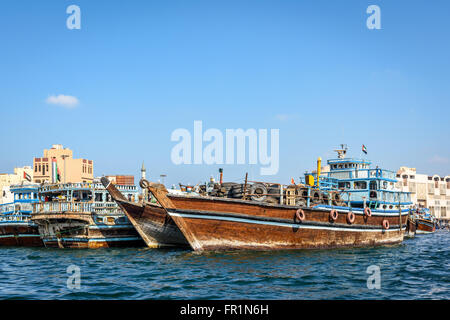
{"type": "Point", "coordinates": [304, 217]}
{"type": "Point", "coordinates": [83, 215]}
{"type": "Point", "coordinates": [426, 223]}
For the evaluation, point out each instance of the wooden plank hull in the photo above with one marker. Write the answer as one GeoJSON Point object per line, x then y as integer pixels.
{"type": "Point", "coordinates": [425, 226]}
{"type": "Point", "coordinates": [79, 231]}
{"type": "Point", "coordinates": [411, 227]}
{"type": "Point", "coordinates": [151, 221]}
{"type": "Point", "coordinates": [19, 233]}
{"type": "Point", "coordinates": [218, 224]}
{"type": "Point", "coordinates": [154, 225]}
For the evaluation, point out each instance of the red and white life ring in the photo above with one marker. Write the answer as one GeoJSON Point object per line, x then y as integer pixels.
{"type": "Point", "coordinates": [385, 224]}
{"type": "Point", "coordinates": [367, 212]}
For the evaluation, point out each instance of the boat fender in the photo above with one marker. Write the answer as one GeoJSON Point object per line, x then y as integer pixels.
{"type": "Point", "coordinates": [367, 212]}
{"type": "Point", "coordinates": [333, 215]}
{"type": "Point", "coordinates": [300, 214]}
{"type": "Point", "coordinates": [385, 224]}
{"type": "Point", "coordinates": [350, 217]}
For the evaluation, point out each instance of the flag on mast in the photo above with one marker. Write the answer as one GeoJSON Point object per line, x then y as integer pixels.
{"type": "Point", "coordinates": [364, 149]}
{"type": "Point", "coordinates": [26, 176]}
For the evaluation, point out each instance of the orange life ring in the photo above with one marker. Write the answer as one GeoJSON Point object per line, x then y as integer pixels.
{"type": "Point", "coordinates": [300, 214]}
{"type": "Point", "coordinates": [367, 212]}
{"type": "Point", "coordinates": [385, 224]}
{"type": "Point", "coordinates": [350, 217]}
{"type": "Point", "coordinates": [333, 215]}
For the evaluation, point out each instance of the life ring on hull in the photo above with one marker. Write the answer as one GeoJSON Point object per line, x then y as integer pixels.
{"type": "Point", "coordinates": [144, 184]}
{"type": "Point", "coordinates": [385, 224]}
{"type": "Point", "coordinates": [300, 214]}
{"type": "Point", "coordinates": [350, 217]}
{"type": "Point", "coordinates": [333, 215]}
{"type": "Point", "coordinates": [367, 212]}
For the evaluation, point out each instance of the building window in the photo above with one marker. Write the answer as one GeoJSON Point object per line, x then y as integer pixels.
{"type": "Point", "coordinates": [35, 168]}
{"type": "Point", "coordinates": [436, 182]}
{"type": "Point", "coordinates": [448, 183]}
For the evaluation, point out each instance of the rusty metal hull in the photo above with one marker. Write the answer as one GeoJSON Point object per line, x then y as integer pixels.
{"type": "Point", "coordinates": [218, 224]}
{"type": "Point", "coordinates": [19, 233]}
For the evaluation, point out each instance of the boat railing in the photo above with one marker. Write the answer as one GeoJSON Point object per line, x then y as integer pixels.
{"type": "Point", "coordinates": [61, 207]}
{"type": "Point", "coordinates": [14, 217]}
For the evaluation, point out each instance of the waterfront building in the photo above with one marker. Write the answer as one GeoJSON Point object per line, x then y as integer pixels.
{"type": "Point", "coordinates": [20, 175]}
{"type": "Point", "coordinates": [58, 166]}
{"type": "Point", "coordinates": [432, 192]}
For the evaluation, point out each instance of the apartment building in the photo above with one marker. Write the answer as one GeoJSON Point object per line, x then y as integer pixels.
{"type": "Point", "coordinates": [432, 192]}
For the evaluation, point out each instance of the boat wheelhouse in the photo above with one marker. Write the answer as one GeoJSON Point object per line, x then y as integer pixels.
{"type": "Point", "coordinates": [16, 227]}
{"type": "Point", "coordinates": [83, 215]}
{"type": "Point", "coordinates": [362, 185]}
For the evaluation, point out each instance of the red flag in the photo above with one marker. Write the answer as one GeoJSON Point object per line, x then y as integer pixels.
{"type": "Point", "coordinates": [292, 181]}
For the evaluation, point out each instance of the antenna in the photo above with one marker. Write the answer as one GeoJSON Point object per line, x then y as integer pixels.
{"type": "Point", "coordinates": [342, 151]}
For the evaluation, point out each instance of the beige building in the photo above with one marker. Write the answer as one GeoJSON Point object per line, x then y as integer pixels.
{"type": "Point", "coordinates": [8, 179]}
{"type": "Point", "coordinates": [432, 192]}
{"type": "Point", "coordinates": [70, 170]}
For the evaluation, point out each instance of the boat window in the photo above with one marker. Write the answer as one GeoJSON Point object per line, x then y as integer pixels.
{"type": "Point", "coordinates": [344, 185]}
{"type": "Point", "coordinates": [373, 185]}
{"type": "Point", "coordinates": [98, 197]}
{"type": "Point", "coordinates": [360, 185]}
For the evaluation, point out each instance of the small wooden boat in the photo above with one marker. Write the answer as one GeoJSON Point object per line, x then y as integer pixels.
{"type": "Point", "coordinates": [16, 227]}
{"type": "Point", "coordinates": [218, 223]}
{"type": "Point", "coordinates": [426, 223]}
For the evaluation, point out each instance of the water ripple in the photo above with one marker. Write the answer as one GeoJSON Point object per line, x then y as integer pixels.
{"type": "Point", "coordinates": [416, 269]}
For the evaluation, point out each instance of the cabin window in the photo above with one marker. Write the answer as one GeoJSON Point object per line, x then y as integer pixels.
{"type": "Point", "coordinates": [344, 185]}
{"type": "Point", "coordinates": [98, 197]}
{"type": "Point", "coordinates": [360, 185]}
{"type": "Point", "coordinates": [373, 185]}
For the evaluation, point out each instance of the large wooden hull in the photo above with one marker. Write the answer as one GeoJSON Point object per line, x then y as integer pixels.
{"type": "Point", "coordinates": [79, 231]}
{"type": "Point", "coordinates": [151, 221]}
{"type": "Point", "coordinates": [19, 233]}
{"type": "Point", "coordinates": [217, 224]}
{"type": "Point", "coordinates": [154, 225]}
{"type": "Point", "coordinates": [425, 226]}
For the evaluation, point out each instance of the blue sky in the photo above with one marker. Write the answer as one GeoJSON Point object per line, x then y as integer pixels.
{"type": "Point", "coordinates": [142, 69]}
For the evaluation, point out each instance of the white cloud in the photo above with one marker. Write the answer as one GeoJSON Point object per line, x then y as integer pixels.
{"type": "Point", "coordinates": [63, 100]}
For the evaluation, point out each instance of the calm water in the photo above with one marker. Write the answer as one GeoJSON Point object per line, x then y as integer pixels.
{"type": "Point", "coordinates": [417, 269]}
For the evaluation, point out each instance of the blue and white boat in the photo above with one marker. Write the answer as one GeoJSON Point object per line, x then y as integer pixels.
{"type": "Point", "coordinates": [363, 186]}
{"type": "Point", "coordinates": [16, 227]}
